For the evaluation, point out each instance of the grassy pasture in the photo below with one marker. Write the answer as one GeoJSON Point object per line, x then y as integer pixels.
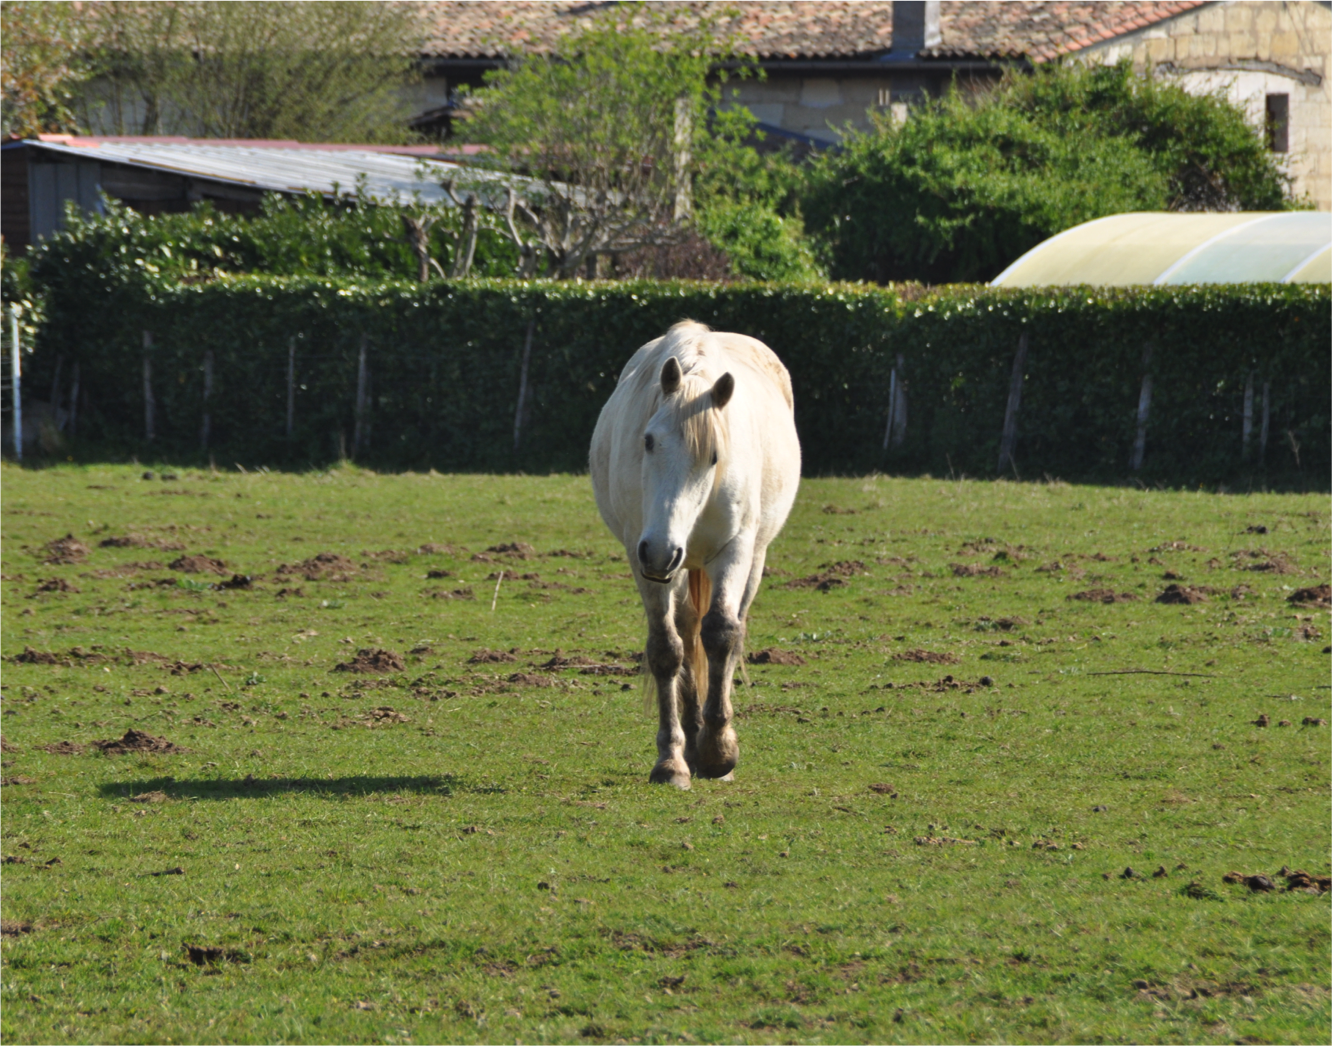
{"type": "Point", "coordinates": [470, 851]}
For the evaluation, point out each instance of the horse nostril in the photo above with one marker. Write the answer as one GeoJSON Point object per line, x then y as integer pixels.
{"type": "Point", "coordinates": [676, 556]}
{"type": "Point", "coordinates": [642, 553]}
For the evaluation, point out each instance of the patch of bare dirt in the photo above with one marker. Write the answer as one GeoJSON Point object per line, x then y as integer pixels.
{"type": "Point", "coordinates": [560, 660]}
{"type": "Point", "coordinates": [975, 570]}
{"type": "Point", "coordinates": [457, 593]}
{"type": "Point", "coordinates": [211, 955]}
{"type": "Point", "coordinates": [326, 566]}
{"type": "Point", "coordinates": [65, 748]}
{"type": "Point", "coordinates": [137, 741]}
{"type": "Point", "coordinates": [492, 657]}
{"type": "Point", "coordinates": [1301, 880]}
{"type": "Point", "coordinates": [567, 554]}
{"type": "Point", "coordinates": [382, 716]}
{"type": "Point", "coordinates": [512, 549]}
{"type": "Point", "coordinates": [1003, 624]}
{"type": "Point", "coordinates": [530, 679]}
{"type": "Point", "coordinates": [54, 584]}
{"type": "Point", "coordinates": [373, 661]}
{"type": "Point", "coordinates": [1103, 595]}
{"type": "Point", "coordinates": [833, 510]}
{"type": "Point", "coordinates": [5, 746]}
{"type": "Point", "coordinates": [929, 657]}
{"type": "Point", "coordinates": [1183, 594]}
{"type": "Point", "coordinates": [1260, 559]}
{"type": "Point", "coordinates": [139, 541]}
{"type": "Point", "coordinates": [431, 548]}
{"type": "Point", "coordinates": [149, 797]}
{"type": "Point", "coordinates": [434, 575]}
{"type": "Point", "coordinates": [64, 551]}
{"type": "Point", "coordinates": [830, 576]}
{"type": "Point", "coordinates": [1316, 596]}
{"type": "Point", "coordinates": [75, 656]}
{"type": "Point", "coordinates": [198, 565]}
{"type": "Point", "coordinates": [388, 555]}
{"type": "Point", "coordinates": [942, 840]}
{"type": "Point", "coordinates": [14, 927]}
{"type": "Point", "coordinates": [883, 788]}
{"type": "Point", "coordinates": [237, 582]}
{"type": "Point", "coordinates": [773, 656]}
{"type": "Point", "coordinates": [1176, 546]}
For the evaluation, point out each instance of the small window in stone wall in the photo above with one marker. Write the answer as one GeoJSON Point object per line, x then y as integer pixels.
{"type": "Point", "coordinates": [1278, 123]}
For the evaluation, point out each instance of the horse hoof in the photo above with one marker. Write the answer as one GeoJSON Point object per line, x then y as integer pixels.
{"type": "Point", "coordinates": [667, 773]}
{"type": "Point", "coordinates": [717, 753]}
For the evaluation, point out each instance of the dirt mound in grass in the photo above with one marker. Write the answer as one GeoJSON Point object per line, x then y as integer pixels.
{"type": "Point", "coordinates": [54, 584]}
{"type": "Point", "coordinates": [75, 656]}
{"type": "Point", "coordinates": [491, 657]}
{"type": "Point", "coordinates": [139, 541]}
{"type": "Point", "coordinates": [1183, 594]}
{"type": "Point", "coordinates": [1317, 596]}
{"type": "Point", "coordinates": [431, 548]}
{"type": "Point", "coordinates": [927, 657]}
{"type": "Point", "coordinates": [1104, 595]}
{"type": "Point", "coordinates": [64, 551]}
{"type": "Point", "coordinates": [35, 657]}
{"type": "Point", "coordinates": [530, 679]}
{"type": "Point", "coordinates": [199, 565]}
{"type": "Point", "coordinates": [457, 593]}
{"type": "Point", "coordinates": [373, 661]}
{"type": "Point", "coordinates": [560, 660]}
{"type": "Point", "coordinates": [773, 656]}
{"type": "Point", "coordinates": [326, 566]}
{"type": "Point", "coordinates": [830, 576]}
{"type": "Point", "coordinates": [5, 746]}
{"type": "Point", "coordinates": [65, 748]}
{"type": "Point", "coordinates": [13, 928]}
{"type": "Point", "coordinates": [974, 570]}
{"type": "Point", "coordinates": [513, 549]}
{"type": "Point", "coordinates": [138, 741]}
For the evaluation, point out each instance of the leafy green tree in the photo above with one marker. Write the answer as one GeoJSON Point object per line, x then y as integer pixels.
{"type": "Point", "coordinates": [42, 65]}
{"type": "Point", "coordinates": [966, 186]}
{"type": "Point", "coordinates": [317, 71]}
{"type": "Point", "coordinates": [612, 132]}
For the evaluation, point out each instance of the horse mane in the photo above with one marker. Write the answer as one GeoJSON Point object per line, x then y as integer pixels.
{"type": "Point", "coordinates": [689, 408]}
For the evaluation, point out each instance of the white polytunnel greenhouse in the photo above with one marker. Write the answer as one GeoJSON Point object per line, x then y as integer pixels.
{"type": "Point", "coordinates": [1159, 249]}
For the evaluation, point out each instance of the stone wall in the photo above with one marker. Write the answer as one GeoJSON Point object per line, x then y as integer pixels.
{"type": "Point", "coordinates": [1251, 50]}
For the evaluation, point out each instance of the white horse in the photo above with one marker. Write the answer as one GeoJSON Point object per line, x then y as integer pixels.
{"type": "Point", "coordinates": [695, 464]}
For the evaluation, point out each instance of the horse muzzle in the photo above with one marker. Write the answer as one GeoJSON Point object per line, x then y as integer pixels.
{"type": "Point", "coordinates": [650, 570]}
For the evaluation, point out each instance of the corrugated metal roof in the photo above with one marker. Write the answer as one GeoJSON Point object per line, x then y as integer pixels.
{"type": "Point", "coordinates": [1166, 249]}
{"type": "Point", "coordinates": [391, 179]}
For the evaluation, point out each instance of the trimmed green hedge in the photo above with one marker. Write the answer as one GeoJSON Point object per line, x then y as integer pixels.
{"type": "Point", "coordinates": [444, 364]}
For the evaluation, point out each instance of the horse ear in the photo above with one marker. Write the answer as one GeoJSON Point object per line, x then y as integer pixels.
{"type": "Point", "coordinates": [721, 392]}
{"type": "Point", "coordinates": [670, 375]}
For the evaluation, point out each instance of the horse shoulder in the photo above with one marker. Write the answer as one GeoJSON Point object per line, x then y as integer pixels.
{"type": "Point", "coordinates": [764, 361]}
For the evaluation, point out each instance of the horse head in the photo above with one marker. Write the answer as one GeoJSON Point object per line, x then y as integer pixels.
{"type": "Point", "coordinates": [684, 450]}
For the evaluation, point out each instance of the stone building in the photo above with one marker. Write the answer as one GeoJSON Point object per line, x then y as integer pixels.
{"type": "Point", "coordinates": [829, 64]}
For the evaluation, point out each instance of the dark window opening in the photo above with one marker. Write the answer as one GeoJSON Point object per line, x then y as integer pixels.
{"type": "Point", "coordinates": [1278, 123]}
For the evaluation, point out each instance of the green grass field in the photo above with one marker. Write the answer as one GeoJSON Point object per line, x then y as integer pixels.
{"type": "Point", "coordinates": [470, 852]}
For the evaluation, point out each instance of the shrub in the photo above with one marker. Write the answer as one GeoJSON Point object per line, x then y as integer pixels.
{"type": "Point", "coordinates": [966, 186]}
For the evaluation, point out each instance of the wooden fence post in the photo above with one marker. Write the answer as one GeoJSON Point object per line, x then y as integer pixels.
{"type": "Point", "coordinates": [74, 401]}
{"type": "Point", "coordinates": [206, 428]}
{"type": "Point", "coordinates": [358, 433]}
{"type": "Point", "coordinates": [1267, 416]}
{"type": "Point", "coordinates": [16, 379]}
{"type": "Point", "coordinates": [1144, 407]}
{"type": "Point", "coordinates": [522, 385]}
{"type": "Point", "coordinates": [894, 432]}
{"type": "Point", "coordinates": [291, 386]}
{"type": "Point", "coordinates": [1008, 442]}
{"type": "Point", "coordinates": [1246, 424]}
{"type": "Point", "coordinates": [149, 404]}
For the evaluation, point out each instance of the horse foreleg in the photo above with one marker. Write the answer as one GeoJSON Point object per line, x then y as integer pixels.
{"type": "Point", "coordinates": [722, 636]}
{"type": "Point", "coordinates": [665, 657]}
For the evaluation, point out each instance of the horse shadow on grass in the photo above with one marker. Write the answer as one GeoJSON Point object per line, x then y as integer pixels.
{"type": "Point", "coordinates": [262, 788]}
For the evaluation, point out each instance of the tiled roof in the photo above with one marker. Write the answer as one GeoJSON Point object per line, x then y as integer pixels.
{"type": "Point", "coordinates": [772, 30]}
{"type": "Point", "coordinates": [1042, 31]}
{"type": "Point", "coordinates": [804, 29]}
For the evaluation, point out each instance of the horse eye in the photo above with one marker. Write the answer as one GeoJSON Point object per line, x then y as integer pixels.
{"type": "Point", "coordinates": [648, 441]}
{"type": "Point", "coordinates": [714, 457]}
